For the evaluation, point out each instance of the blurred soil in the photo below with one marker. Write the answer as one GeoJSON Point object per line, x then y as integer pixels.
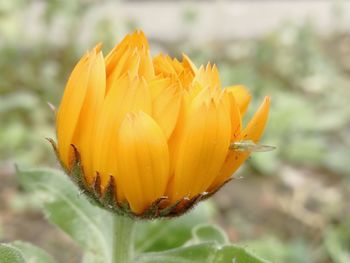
{"type": "Point", "coordinates": [300, 204]}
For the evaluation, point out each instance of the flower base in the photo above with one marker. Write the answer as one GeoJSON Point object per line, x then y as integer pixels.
{"type": "Point", "coordinates": [161, 208]}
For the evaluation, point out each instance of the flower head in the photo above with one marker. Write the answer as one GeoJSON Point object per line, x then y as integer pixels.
{"type": "Point", "coordinates": [150, 137]}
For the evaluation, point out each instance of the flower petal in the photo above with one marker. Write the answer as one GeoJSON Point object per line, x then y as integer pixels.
{"type": "Point", "coordinates": [203, 147]}
{"type": "Point", "coordinates": [164, 65]}
{"type": "Point", "coordinates": [253, 131]}
{"type": "Point", "coordinates": [236, 119]}
{"type": "Point", "coordinates": [188, 64]}
{"type": "Point", "coordinates": [128, 94]}
{"type": "Point", "coordinates": [86, 126]}
{"type": "Point", "coordinates": [135, 40]}
{"type": "Point", "coordinates": [131, 56]}
{"type": "Point", "coordinates": [70, 107]}
{"type": "Point", "coordinates": [158, 84]}
{"type": "Point", "coordinates": [208, 77]}
{"type": "Point", "coordinates": [142, 160]}
{"type": "Point", "coordinates": [242, 97]}
{"type": "Point", "coordinates": [166, 108]}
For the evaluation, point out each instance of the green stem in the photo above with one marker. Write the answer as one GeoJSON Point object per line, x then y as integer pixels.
{"type": "Point", "coordinates": [123, 239]}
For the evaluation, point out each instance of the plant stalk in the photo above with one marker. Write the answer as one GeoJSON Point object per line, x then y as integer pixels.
{"type": "Point", "coordinates": [123, 238]}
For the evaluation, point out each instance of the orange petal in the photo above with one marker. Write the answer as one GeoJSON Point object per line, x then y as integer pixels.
{"type": "Point", "coordinates": [188, 64]}
{"type": "Point", "coordinates": [70, 107]}
{"type": "Point", "coordinates": [253, 131]}
{"type": "Point", "coordinates": [236, 119]}
{"type": "Point", "coordinates": [142, 161]}
{"type": "Point", "coordinates": [135, 40]}
{"type": "Point", "coordinates": [242, 97]}
{"type": "Point", "coordinates": [131, 56]}
{"type": "Point", "coordinates": [203, 147]}
{"type": "Point", "coordinates": [166, 108]}
{"type": "Point", "coordinates": [175, 138]}
{"type": "Point", "coordinates": [86, 126]}
{"type": "Point", "coordinates": [208, 77]}
{"type": "Point", "coordinates": [163, 65]}
{"type": "Point", "coordinates": [128, 94]}
{"type": "Point", "coordinates": [158, 84]}
{"type": "Point", "coordinates": [146, 68]}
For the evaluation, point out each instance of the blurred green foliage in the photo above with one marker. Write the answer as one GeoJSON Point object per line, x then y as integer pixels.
{"type": "Point", "coordinates": [310, 117]}
{"type": "Point", "coordinates": [39, 45]}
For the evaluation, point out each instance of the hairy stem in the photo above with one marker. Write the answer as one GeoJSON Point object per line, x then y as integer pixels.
{"type": "Point", "coordinates": [123, 235]}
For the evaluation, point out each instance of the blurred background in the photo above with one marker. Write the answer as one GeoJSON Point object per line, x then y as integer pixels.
{"type": "Point", "coordinates": [289, 205]}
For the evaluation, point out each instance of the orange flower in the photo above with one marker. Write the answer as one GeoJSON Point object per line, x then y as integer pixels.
{"type": "Point", "coordinates": [151, 136]}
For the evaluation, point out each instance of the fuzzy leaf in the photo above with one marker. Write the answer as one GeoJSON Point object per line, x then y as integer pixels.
{"type": "Point", "coordinates": [32, 253]}
{"type": "Point", "coordinates": [10, 254]}
{"type": "Point", "coordinates": [236, 254]}
{"type": "Point", "coordinates": [207, 233]}
{"type": "Point", "coordinates": [88, 225]}
{"type": "Point", "coordinates": [208, 252]}
{"type": "Point", "coordinates": [203, 253]}
{"type": "Point", "coordinates": [166, 234]}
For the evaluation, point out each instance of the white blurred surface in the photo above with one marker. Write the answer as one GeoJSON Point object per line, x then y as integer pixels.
{"type": "Point", "coordinates": [229, 19]}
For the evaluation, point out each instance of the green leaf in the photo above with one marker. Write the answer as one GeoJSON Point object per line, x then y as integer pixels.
{"type": "Point", "coordinates": [207, 233]}
{"type": "Point", "coordinates": [208, 252]}
{"type": "Point", "coordinates": [236, 254]}
{"type": "Point", "coordinates": [209, 243]}
{"type": "Point", "coordinates": [276, 250]}
{"type": "Point", "coordinates": [202, 253]}
{"type": "Point", "coordinates": [32, 253]}
{"type": "Point", "coordinates": [10, 254]}
{"type": "Point", "coordinates": [166, 234]}
{"type": "Point", "coordinates": [88, 225]}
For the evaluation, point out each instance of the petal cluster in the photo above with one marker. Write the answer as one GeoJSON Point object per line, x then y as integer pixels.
{"type": "Point", "coordinates": [155, 129]}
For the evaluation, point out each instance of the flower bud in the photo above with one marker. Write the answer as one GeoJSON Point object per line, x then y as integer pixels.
{"type": "Point", "coordinates": [150, 137]}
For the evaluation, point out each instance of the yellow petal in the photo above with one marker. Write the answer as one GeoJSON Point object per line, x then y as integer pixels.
{"type": "Point", "coordinates": [142, 161]}
{"type": "Point", "coordinates": [163, 65]}
{"type": "Point", "coordinates": [188, 64]}
{"type": "Point", "coordinates": [242, 97]}
{"type": "Point", "coordinates": [135, 40]}
{"type": "Point", "coordinates": [158, 84]}
{"type": "Point", "coordinates": [126, 62]}
{"type": "Point", "coordinates": [128, 94]}
{"type": "Point", "coordinates": [182, 72]}
{"type": "Point", "coordinates": [177, 65]}
{"type": "Point", "coordinates": [131, 56]}
{"type": "Point", "coordinates": [195, 89]}
{"type": "Point", "coordinates": [166, 108]}
{"type": "Point", "coordinates": [203, 147]}
{"type": "Point", "coordinates": [253, 131]}
{"type": "Point", "coordinates": [70, 107]}
{"type": "Point", "coordinates": [236, 119]}
{"type": "Point", "coordinates": [208, 77]}
{"type": "Point", "coordinates": [174, 140]}
{"type": "Point", "coordinates": [86, 126]}
{"type": "Point", "coordinates": [114, 56]}
{"type": "Point", "coordinates": [186, 79]}
{"type": "Point", "coordinates": [188, 73]}
{"type": "Point", "coordinates": [146, 69]}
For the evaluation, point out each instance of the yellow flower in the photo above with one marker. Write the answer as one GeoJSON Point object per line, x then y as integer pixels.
{"type": "Point", "coordinates": [151, 136]}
